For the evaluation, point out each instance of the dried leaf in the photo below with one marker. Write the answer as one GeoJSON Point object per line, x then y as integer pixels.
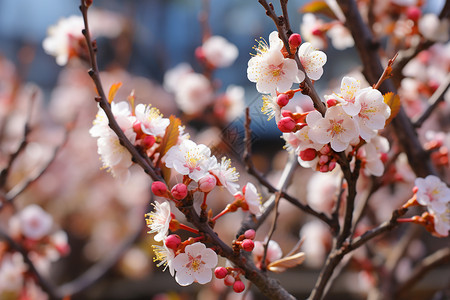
{"type": "Point", "coordinates": [318, 6]}
{"type": "Point", "coordinates": [166, 173]}
{"type": "Point", "coordinates": [113, 90]}
{"type": "Point", "coordinates": [393, 101]}
{"type": "Point", "coordinates": [170, 138]}
{"type": "Point", "coordinates": [287, 262]}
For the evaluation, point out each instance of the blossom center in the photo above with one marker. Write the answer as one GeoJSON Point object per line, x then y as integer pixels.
{"type": "Point", "coordinates": [336, 127]}
{"type": "Point", "coordinates": [195, 263]}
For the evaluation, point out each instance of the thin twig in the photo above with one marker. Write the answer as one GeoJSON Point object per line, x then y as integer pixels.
{"type": "Point", "coordinates": [26, 131]}
{"type": "Point", "coordinates": [262, 180]}
{"type": "Point", "coordinates": [21, 187]}
{"type": "Point", "coordinates": [143, 161]}
{"type": "Point", "coordinates": [433, 102]}
{"type": "Point", "coordinates": [272, 230]}
{"type": "Point", "coordinates": [438, 258]}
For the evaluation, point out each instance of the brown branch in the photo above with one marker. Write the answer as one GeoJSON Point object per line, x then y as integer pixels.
{"type": "Point", "coordinates": [272, 230]}
{"type": "Point", "coordinates": [138, 158]}
{"type": "Point", "coordinates": [252, 171]}
{"type": "Point", "coordinates": [26, 131]}
{"type": "Point", "coordinates": [21, 187]}
{"type": "Point", "coordinates": [46, 285]}
{"type": "Point", "coordinates": [433, 102]}
{"type": "Point", "coordinates": [368, 51]}
{"type": "Point", "coordinates": [438, 258]}
{"type": "Point", "coordinates": [268, 286]}
{"type": "Point", "coordinates": [336, 255]}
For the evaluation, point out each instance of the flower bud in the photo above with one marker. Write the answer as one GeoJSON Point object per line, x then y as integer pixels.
{"type": "Point", "coordinates": [247, 245]}
{"type": "Point", "coordinates": [332, 102]}
{"type": "Point", "coordinates": [179, 191]}
{"type": "Point", "coordinates": [207, 183]}
{"type": "Point", "coordinates": [413, 13]}
{"type": "Point", "coordinates": [220, 272]}
{"type": "Point", "coordinates": [138, 129]}
{"type": "Point", "coordinates": [159, 189]}
{"type": "Point", "coordinates": [282, 100]}
{"type": "Point", "coordinates": [238, 286]}
{"type": "Point", "coordinates": [200, 54]}
{"type": "Point", "coordinates": [308, 154]}
{"type": "Point", "coordinates": [286, 124]}
{"type": "Point", "coordinates": [173, 241]}
{"type": "Point", "coordinates": [286, 113]}
{"type": "Point", "coordinates": [295, 40]}
{"type": "Point", "coordinates": [331, 166]}
{"type": "Point", "coordinates": [324, 168]}
{"type": "Point", "coordinates": [229, 280]}
{"type": "Point", "coordinates": [250, 234]}
{"type": "Point", "coordinates": [325, 149]}
{"type": "Point", "coordinates": [323, 159]}
{"type": "Point", "coordinates": [148, 141]}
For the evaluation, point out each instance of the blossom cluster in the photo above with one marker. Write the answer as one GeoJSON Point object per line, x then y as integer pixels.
{"type": "Point", "coordinates": [33, 229]}
{"type": "Point", "coordinates": [434, 194]}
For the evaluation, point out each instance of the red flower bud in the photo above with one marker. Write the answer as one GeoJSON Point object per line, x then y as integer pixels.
{"type": "Point", "coordinates": [295, 40]}
{"type": "Point", "coordinates": [308, 154]}
{"type": "Point", "coordinates": [247, 245]}
{"type": "Point", "coordinates": [332, 102]}
{"type": "Point", "coordinates": [173, 241]}
{"type": "Point", "coordinates": [286, 124]}
{"type": "Point", "coordinates": [238, 286]}
{"type": "Point", "coordinates": [148, 141]}
{"type": "Point", "coordinates": [159, 189]}
{"type": "Point", "coordinates": [413, 13]}
{"type": "Point", "coordinates": [220, 272]}
{"type": "Point", "coordinates": [179, 191]}
{"type": "Point", "coordinates": [229, 280]}
{"type": "Point", "coordinates": [282, 100]}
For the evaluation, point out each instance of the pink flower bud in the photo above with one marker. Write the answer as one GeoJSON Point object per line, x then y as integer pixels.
{"type": "Point", "coordinates": [325, 149]}
{"type": "Point", "coordinates": [384, 157]}
{"type": "Point", "coordinates": [317, 32]}
{"type": "Point", "coordinates": [173, 241]}
{"type": "Point", "coordinates": [159, 189]}
{"type": "Point", "coordinates": [413, 13]}
{"type": "Point", "coordinates": [308, 154]}
{"type": "Point", "coordinates": [282, 100]}
{"type": "Point", "coordinates": [200, 54]}
{"type": "Point", "coordinates": [324, 169]}
{"type": "Point", "coordinates": [179, 191]}
{"type": "Point", "coordinates": [247, 245]}
{"type": "Point", "coordinates": [250, 234]}
{"type": "Point", "coordinates": [148, 141]}
{"type": "Point", "coordinates": [331, 166]}
{"type": "Point", "coordinates": [323, 159]}
{"type": "Point", "coordinates": [238, 286]}
{"type": "Point", "coordinates": [286, 124]}
{"type": "Point", "coordinates": [415, 189]}
{"type": "Point", "coordinates": [295, 40]}
{"type": "Point", "coordinates": [220, 272]}
{"type": "Point", "coordinates": [332, 102]}
{"type": "Point", "coordinates": [207, 183]}
{"type": "Point", "coordinates": [229, 280]}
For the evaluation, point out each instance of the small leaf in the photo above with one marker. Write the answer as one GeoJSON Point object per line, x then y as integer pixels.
{"type": "Point", "coordinates": [170, 138]}
{"type": "Point", "coordinates": [166, 173]}
{"type": "Point", "coordinates": [318, 6]}
{"type": "Point", "coordinates": [394, 103]}
{"type": "Point", "coordinates": [287, 262]}
{"type": "Point", "coordinates": [113, 90]}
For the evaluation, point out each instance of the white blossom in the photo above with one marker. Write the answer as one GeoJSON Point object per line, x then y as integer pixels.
{"type": "Point", "coordinates": [174, 76]}
{"type": "Point", "coordinates": [194, 264]}
{"type": "Point", "coordinates": [373, 114]}
{"type": "Point", "coordinates": [193, 93]}
{"type": "Point", "coordinates": [341, 37]}
{"type": "Point", "coordinates": [252, 198]}
{"type": "Point", "coordinates": [165, 257]}
{"type": "Point", "coordinates": [270, 70]}
{"type": "Point", "coordinates": [152, 121]}
{"type": "Point", "coordinates": [308, 28]}
{"type": "Point", "coordinates": [372, 153]}
{"type": "Point", "coordinates": [274, 251]}
{"type": "Point", "coordinates": [441, 220]}
{"type": "Point", "coordinates": [431, 27]}
{"type": "Point", "coordinates": [336, 127]}
{"type": "Point", "coordinates": [432, 192]}
{"type": "Point", "coordinates": [347, 98]}
{"type": "Point", "coordinates": [271, 108]}
{"type": "Point", "coordinates": [12, 269]}
{"type": "Point", "coordinates": [188, 158]}
{"type": "Point", "coordinates": [312, 60]}
{"type": "Point", "coordinates": [225, 174]}
{"type": "Point", "coordinates": [219, 52]}
{"type": "Point", "coordinates": [159, 220]}
{"type": "Point", "coordinates": [34, 222]}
